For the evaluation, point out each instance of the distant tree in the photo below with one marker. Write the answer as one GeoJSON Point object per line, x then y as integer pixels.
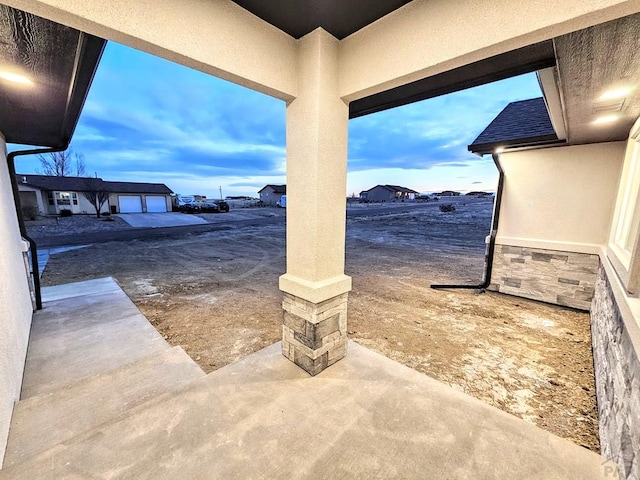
{"type": "Point", "coordinates": [63, 164]}
{"type": "Point", "coordinates": [96, 192]}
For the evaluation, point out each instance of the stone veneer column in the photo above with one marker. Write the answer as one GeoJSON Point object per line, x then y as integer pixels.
{"type": "Point", "coordinates": [315, 286]}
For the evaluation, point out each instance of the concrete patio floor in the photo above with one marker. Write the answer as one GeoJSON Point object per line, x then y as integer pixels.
{"type": "Point", "coordinates": [159, 220]}
{"type": "Point", "coordinates": [263, 417]}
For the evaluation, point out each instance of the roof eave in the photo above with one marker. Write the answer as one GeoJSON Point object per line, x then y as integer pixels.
{"type": "Point", "coordinates": [88, 55]}
{"type": "Point", "coordinates": [525, 143]}
{"type": "Point", "coordinates": [516, 62]}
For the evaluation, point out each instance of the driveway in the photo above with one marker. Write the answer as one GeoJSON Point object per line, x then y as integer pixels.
{"type": "Point", "coordinates": [156, 220]}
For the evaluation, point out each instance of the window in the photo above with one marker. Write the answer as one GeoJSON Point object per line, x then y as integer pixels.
{"type": "Point", "coordinates": [74, 197]}
{"type": "Point", "coordinates": [50, 197]}
{"type": "Point", "coordinates": [623, 251]}
{"type": "Point", "coordinates": [63, 198]}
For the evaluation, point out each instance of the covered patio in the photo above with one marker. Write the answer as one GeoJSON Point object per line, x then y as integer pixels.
{"type": "Point", "coordinates": [111, 399]}
{"type": "Point", "coordinates": [328, 63]}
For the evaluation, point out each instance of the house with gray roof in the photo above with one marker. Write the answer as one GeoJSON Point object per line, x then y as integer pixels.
{"type": "Point", "coordinates": [388, 193]}
{"type": "Point", "coordinates": [271, 194]}
{"type": "Point", "coordinates": [49, 195]}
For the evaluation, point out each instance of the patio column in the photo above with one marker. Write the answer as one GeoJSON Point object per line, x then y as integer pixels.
{"type": "Point", "coordinates": [315, 286]}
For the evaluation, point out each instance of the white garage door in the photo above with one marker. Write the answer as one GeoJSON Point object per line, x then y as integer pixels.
{"type": "Point", "coordinates": [130, 203]}
{"type": "Point", "coordinates": [156, 204]}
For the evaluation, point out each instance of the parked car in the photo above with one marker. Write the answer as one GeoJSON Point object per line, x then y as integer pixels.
{"type": "Point", "coordinates": [190, 207]}
{"type": "Point", "coordinates": [209, 207]}
{"type": "Point", "coordinates": [217, 206]}
{"type": "Point", "coordinates": [205, 206]}
{"type": "Point", "coordinates": [222, 206]}
{"type": "Point", "coordinates": [282, 203]}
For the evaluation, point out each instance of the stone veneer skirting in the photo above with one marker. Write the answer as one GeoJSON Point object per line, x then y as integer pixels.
{"type": "Point", "coordinates": [617, 370]}
{"type": "Point", "coordinates": [314, 335]}
{"type": "Point", "coordinates": [552, 276]}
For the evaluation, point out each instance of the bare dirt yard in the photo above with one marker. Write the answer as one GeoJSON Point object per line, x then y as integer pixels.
{"type": "Point", "coordinates": [216, 294]}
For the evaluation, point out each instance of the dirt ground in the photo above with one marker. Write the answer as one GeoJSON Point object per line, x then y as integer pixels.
{"type": "Point", "coordinates": [216, 294]}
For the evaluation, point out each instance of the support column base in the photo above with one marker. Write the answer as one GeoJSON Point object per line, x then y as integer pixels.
{"type": "Point", "coordinates": [314, 335]}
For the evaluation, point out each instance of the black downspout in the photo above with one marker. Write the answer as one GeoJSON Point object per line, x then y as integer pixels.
{"type": "Point", "coordinates": [23, 229]}
{"type": "Point", "coordinates": [488, 262]}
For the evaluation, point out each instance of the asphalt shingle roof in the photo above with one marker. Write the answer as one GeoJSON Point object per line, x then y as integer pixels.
{"type": "Point", "coordinates": [279, 189]}
{"type": "Point", "coordinates": [521, 123]}
{"type": "Point", "coordinates": [135, 187]}
{"type": "Point", "coordinates": [80, 184]}
{"type": "Point", "coordinates": [392, 188]}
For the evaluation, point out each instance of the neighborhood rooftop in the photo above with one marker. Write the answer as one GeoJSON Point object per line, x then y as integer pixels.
{"type": "Point", "coordinates": [393, 188]}
{"type": "Point", "coordinates": [80, 184]}
{"type": "Point", "coordinates": [279, 189]}
{"type": "Point", "coordinates": [522, 123]}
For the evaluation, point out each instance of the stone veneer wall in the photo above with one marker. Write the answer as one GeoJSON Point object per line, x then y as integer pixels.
{"type": "Point", "coordinates": [552, 276]}
{"type": "Point", "coordinates": [314, 335]}
{"type": "Point", "coordinates": [617, 370]}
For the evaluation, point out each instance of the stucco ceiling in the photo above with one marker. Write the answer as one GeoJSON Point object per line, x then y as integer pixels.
{"type": "Point", "coordinates": [592, 63]}
{"type": "Point", "coordinates": [340, 18]}
{"type": "Point", "coordinates": [56, 64]}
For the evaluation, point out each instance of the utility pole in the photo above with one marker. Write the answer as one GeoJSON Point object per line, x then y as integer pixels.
{"type": "Point", "coordinates": [220, 192]}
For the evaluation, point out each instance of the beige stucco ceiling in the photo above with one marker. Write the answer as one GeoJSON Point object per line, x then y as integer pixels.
{"type": "Point", "coordinates": [592, 62]}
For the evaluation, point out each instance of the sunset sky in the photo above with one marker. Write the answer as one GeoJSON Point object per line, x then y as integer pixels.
{"type": "Point", "coordinates": [150, 120]}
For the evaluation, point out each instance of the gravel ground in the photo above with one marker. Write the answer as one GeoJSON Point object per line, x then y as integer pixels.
{"type": "Point", "coordinates": [46, 227]}
{"type": "Point", "coordinates": [216, 295]}
{"type": "Point", "coordinates": [77, 224]}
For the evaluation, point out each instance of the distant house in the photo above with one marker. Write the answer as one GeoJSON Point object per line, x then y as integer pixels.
{"type": "Point", "coordinates": [388, 193]}
{"type": "Point", "coordinates": [49, 195]}
{"type": "Point", "coordinates": [448, 193]}
{"type": "Point", "coordinates": [271, 194]}
{"type": "Point", "coordinates": [479, 194]}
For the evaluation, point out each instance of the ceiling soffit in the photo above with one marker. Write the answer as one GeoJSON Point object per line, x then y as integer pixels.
{"type": "Point", "coordinates": [506, 65]}
{"type": "Point", "coordinates": [59, 62]}
{"type": "Point", "coordinates": [340, 18]}
{"type": "Point", "coordinates": [592, 62]}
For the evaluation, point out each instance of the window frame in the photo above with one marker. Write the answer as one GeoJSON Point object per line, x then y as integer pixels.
{"type": "Point", "coordinates": [623, 249]}
{"type": "Point", "coordinates": [63, 198]}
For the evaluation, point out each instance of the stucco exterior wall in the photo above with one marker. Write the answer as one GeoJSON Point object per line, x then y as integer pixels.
{"type": "Point", "coordinates": [427, 37]}
{"type": "Point", "coordinates": [556, 214]}
{"type": "Point", "coordinates": [15, 303]}
{"type": "Point", "coordinates": [560, 198]}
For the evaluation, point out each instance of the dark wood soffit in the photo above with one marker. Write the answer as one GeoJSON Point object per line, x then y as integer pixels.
{"type": "Point", "coordinates": [61, 61]}
{"type": "Point", "coordinates": [506, 65]}
{"type": "Point", "coordinates": [340, 18]}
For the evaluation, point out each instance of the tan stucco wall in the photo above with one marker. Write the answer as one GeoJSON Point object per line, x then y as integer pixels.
{"type": "Point", "coordinates": [15, 303]}
{"type": "Point", "coordinates": [427, 37]}
{"type": "Point", "coordinates": [317, 132]}
{"type": "Point", "coordinates": [560, 198]}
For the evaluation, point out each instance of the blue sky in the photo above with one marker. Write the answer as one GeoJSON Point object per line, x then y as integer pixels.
{"type": "Point", "coordinates": [149, 120]}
